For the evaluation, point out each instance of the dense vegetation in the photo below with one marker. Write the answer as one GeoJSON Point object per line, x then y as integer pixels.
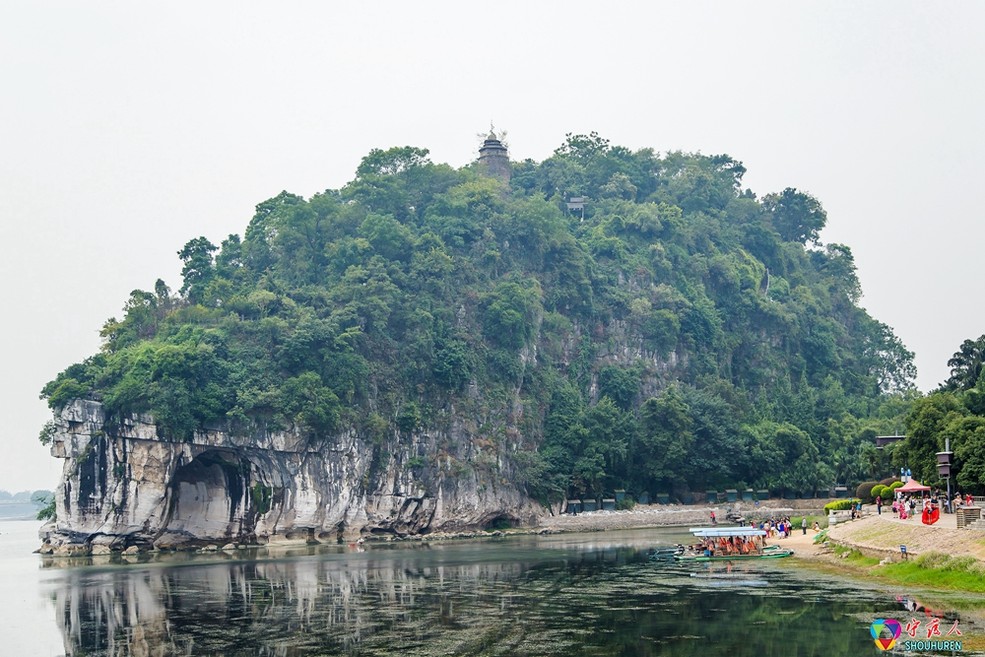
{"type": "Point", "coordinates": [955, 411]}
{"type": "Point", "coordinates": [681, 333]}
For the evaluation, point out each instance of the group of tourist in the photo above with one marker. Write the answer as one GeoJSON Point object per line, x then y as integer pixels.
{"type": "Point", "coordinates": [904, 507]}
{"type": "Point", "coordinates": [774, 528]}
{"type": "Point", "coordinates": [962, 500]}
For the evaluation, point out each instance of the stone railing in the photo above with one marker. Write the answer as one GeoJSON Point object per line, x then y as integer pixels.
{"type": "Point", "coordinates": [834, 517]}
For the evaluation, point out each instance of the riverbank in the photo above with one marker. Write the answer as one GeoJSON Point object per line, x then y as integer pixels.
{"type": "Point", "coordinates": [866, 550]}
{"type": "Point", "coordinates": [868, 547]}
{"type": "Point", "coordinates": [943, 569]}
{"type": "Point", "coordinates": [661, 515]}
{"type": "Point", "coordinates": [874, 535]}
{"type": "Point", "coordinates": [883, 535]}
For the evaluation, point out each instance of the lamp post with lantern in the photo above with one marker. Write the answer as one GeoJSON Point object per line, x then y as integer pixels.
{"type": "Point", "coordinates": [944, 467]}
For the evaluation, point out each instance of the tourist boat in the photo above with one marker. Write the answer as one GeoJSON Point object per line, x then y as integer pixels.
{"type": "Point", "coordinates": [731, 544]}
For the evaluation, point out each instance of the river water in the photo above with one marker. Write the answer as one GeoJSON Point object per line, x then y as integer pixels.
{"type": "Point", "coordinates": [569, 594]}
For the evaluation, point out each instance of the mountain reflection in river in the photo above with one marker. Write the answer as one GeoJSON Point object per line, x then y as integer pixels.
{"type": "Point", "coordinates": [559, 595]}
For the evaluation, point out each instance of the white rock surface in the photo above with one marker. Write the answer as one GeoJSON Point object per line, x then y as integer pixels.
{"type": "Point", "coordinates": [124, 485]}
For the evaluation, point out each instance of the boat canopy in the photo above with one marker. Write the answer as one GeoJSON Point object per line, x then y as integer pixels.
{"type": "Point", "coordinates": [716, 532]}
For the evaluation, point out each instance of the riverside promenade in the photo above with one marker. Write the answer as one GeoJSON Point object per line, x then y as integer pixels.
{"type": "Point", "coordinates": [884, 534]}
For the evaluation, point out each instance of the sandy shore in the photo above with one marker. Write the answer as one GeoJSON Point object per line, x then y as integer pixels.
{"type": "Point", "coordinates": [802, 544]}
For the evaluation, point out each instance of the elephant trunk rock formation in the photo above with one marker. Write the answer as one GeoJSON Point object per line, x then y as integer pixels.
{"type": "Point", "coordinates": [123, 485]}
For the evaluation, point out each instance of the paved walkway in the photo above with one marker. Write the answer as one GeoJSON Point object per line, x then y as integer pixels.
{"type": "Point", "coordinates": [947, 520]}
{"type": "Point", "coordinates": [885, 534]}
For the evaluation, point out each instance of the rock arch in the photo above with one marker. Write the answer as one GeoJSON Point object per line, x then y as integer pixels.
{"type": "Point", "coordinates": [209, 499]}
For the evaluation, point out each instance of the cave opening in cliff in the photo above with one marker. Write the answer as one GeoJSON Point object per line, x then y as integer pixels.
{"type": "Point", "coordinates": [500, 522]}
{"type": "Point", "coordinates": [208, 496]}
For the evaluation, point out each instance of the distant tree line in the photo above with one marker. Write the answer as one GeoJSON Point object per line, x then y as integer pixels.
{"type": "Point", "coordinates": [38, 497]}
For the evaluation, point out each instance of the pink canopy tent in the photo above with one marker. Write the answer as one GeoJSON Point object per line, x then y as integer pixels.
{"type": "Point", "coordinates": [912, 486]}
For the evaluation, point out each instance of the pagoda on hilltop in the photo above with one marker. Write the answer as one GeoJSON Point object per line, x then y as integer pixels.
{"type": "Point", "coordinates": [494, 158]}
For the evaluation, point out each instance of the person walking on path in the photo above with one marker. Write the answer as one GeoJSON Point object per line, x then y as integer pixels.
{"type": "Point", "coordinates": [879, 504]}
{"type": "Point", "coordinates": [803, 525]}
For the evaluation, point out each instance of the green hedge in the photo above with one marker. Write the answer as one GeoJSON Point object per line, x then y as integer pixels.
{"type": "Point", "coordinates": [841, 505]}
{"type": "Point", "coordinates": [864, 490]}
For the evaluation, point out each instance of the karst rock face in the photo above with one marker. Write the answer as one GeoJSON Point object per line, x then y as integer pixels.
{"type": "Point", "coordinates": [125, 485]}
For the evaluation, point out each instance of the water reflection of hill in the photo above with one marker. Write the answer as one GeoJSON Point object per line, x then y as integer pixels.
{"type": "Point", "coordinates": [271, 607]}
{"type": "Point", "coordinates": [590, 596]}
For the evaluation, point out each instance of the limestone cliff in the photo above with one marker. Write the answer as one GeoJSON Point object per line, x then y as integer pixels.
{"type": "Point", "coordinates": [124, 485]}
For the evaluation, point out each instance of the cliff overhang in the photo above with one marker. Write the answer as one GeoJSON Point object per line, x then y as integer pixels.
{"type": "Point", "coordinates": [124, 485]}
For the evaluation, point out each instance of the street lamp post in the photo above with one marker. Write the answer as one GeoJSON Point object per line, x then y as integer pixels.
{"type": "Point", "coordinates": [944, 467]}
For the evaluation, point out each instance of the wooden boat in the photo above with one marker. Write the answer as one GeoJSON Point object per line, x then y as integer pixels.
{"type": "Point", "coordinates": [731, 544]}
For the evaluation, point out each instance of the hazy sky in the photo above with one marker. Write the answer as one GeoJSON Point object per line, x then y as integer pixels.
{"type": "Point", "coordinates": [128, 128]}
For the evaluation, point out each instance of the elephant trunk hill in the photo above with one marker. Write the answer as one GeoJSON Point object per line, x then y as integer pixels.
{"type": "Point", "coordinates": [431, 348]}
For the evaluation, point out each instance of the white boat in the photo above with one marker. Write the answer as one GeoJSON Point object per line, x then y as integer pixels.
{"type": "Point", "coordinates": [715, 532]}
{"type": "Point", "coordinates": [716, 548]}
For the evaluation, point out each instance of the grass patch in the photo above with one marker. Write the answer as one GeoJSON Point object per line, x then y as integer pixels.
{"type": "Point", "coordinates": [822, 522]}
{"type": "Point", "coordinates": [937, 570]}
{"type": "Point", "coordinates": [941, 580]}
{"type": "Point", "coordinates": [854, 557]}
{"type": "Point", "coordinates": [975, 643]}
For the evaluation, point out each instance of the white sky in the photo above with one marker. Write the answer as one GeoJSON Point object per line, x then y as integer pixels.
{"type": "Point", "coordinates": [128, 128]}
